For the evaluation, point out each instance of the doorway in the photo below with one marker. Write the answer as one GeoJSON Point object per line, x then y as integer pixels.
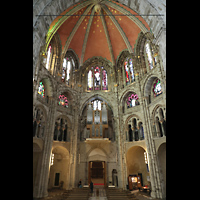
{"type": "Point", "coordinates": [57, 177]}
{"type": "Point", "coordinates": [97, 172]}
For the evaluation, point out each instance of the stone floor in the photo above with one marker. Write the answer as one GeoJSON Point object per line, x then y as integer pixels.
{"type": "Point", "coordinates": [100, 196]}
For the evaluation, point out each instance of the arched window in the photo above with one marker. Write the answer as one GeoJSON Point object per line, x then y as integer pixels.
{"type": "Point", "coordinates": [41, 89]}
{"type": "Point", "coordinates": [90, 80]}
{"type": "Point", "coordinates": [63, 101]}
{"type": "Point", "coordinates": [152, 56]}
{"type": "Point", "coordinates": [104, 80]}
{"type": "Point", "coordinates": [132, 100]}
{"type": "Point", "coordinates": [149, 55]}
{"type": "Point", "coordinates": [97, 76]}
{"type": "Point", "coordinates": [68, 64]}
{"type": "Point", "coordinates": [129, 72]}
{"type": "Point", "coordinates": [48, 56]}
{"type": "Point", "coordinates": [157, 89]}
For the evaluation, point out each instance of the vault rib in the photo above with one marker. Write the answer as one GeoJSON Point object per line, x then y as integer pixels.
{"type": "Point", "coordinates": [74, 31]}
{"type": "Point", "coordinates": [127, 14]}
{"type": "Point", "coordinates": [86, 37]}
{"type": "Point", "coordinates": [51, 33]}
{"type": "Point", "coordinates": [119, 29]}
{"type": "Point", "coordinates": [108, 38]}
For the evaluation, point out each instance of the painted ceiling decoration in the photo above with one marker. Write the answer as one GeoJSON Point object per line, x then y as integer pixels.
{"type": "Point", "coordinates": [102, 28]}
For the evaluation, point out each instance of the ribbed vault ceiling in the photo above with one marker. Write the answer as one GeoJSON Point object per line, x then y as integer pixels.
{"type": "Point", "coordinates": [97, 28]}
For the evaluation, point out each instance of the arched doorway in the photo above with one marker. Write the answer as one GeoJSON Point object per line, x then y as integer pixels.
{"type": "Point", "coordinates": [97, 167]}
{"type": "Point", "coordinates": [59, 169]}
{"type": "Point", "coordinates": [137, 167]}
{"type": "Point", "coordinates": [162, 166]}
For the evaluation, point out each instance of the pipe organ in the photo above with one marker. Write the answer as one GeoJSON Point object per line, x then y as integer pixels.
{"type": "Point", "coordinates": [97, 119]}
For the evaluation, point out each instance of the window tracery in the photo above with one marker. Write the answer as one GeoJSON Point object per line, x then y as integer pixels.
{"type": "Point", "coordinates": [97, 77]}
{"type": "Point", "coordinates": [132, 100]}
{"type": "Point", "coordinates": [63, 101]}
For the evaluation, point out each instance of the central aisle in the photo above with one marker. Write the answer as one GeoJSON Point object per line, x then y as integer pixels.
{"type": "Point", "coordinates": [100, 196]}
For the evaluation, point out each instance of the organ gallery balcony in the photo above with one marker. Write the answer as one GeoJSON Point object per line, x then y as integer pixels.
{"type": "Point", "coordinates": [97, 140]}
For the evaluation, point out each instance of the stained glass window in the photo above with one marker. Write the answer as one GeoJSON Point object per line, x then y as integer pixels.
{"type": "Point", "coordinates": [126, 72]}
{"type": "Point", "coordinates": [97, 78]}
{"type": "Point", "coordinates": [149, 55]}
{"type": "Point", "coordinates": [67, 65]}
{"type": "Point", "coordinates": [90, 80]}
{"type": "Point", "coordinates": [129, 72]}
{"type": "Point", "coordinates": [157, 89]}
{"type": "Point", "coordinates": [64, 69]}
{"type": "Point", "coordinates": [41, 89]}
{"type": "Point", "coordinates": [63, 101]}
{"type": "Point", "coordinates": [104, 80]}
{"type": "Point", "coordinates": [48, 56]}
{"type": "Point", "coordinates": [132, 100]}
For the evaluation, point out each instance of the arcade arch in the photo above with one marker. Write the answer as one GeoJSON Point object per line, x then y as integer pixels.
{"type": "Point", "coordinates": [59, 175]}
{"type": "Point", "coordinates": [136, 166]}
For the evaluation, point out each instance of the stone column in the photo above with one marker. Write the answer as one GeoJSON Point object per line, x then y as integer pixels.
{"type": "Point", "coordinates": [153, 163]}
{"type": "Point", "coordinates": [41, 189]}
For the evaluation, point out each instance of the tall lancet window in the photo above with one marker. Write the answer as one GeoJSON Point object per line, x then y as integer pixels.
{"type": "Point", "coordinates": [48, 56]}
{"type": "Point", "coordinates": [149, 55]}
{"type": "Point", "coordinates": [97, 78]}
{"type": "Point", "coordinates": [129, 72]}
{"type": "Point", "coordinates": [90, 80]}
{"type": "Point", "coordinates": [67, 67]}
{"type": "Point", "coordinates": [104, 80]}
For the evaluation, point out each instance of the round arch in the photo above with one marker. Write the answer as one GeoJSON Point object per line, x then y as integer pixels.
{"type": "Point", "coordinates": [65, 117]}
{"type": "Point", "coordinates": [40, 106]}
{"type": "Point", "coordinates": [135, 163]}
{"type": "Point", "coordinates": [132, 116]}
{"type": "Point", "coordinates": [93, 97]}
{"type": "Point", "coordinates": [156, 108]}
{"type": "Point", "coordinates": [146, 90]}
{"type": "Point", "coordinates": [59, 175]}
{"type": "Point", "coordinates": [49, 86]}
{"type": "Point", "coordinates": [97, 154]}
{"type": "Point", "coordinates": [126, 92]}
